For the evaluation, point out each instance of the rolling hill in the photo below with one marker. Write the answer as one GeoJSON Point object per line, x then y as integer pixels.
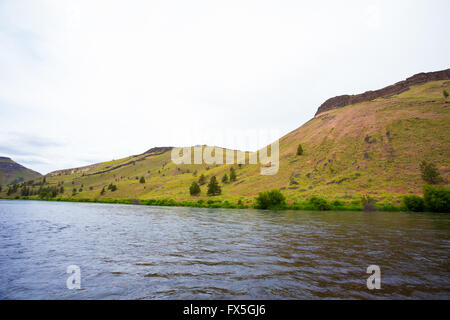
{"type": "Point", "coordinates": [11, 172]}
{"type": "Point", "coordinates": [363, 144]}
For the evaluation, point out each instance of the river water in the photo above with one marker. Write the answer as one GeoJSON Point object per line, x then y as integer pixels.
{"type": "Point", "coordinates": [140, 252]}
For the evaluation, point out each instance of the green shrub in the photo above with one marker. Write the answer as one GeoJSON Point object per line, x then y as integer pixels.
{"type": "Point", "coordinates": [161, 202]}
{"type": "Point", "coordinates": [25, 191]}
{"type": "Point", "coordinates": [414, 203]}
{"type": "Point", "coordinates": [142, 180]}
{"type": "Point", "coordinates": [272, 199]}
{"type": "Point", "coordinates": [213, 187]}
{"type": "Point", "coordinates": [225, 178]}
{"type": "Point", "coordinates": [429, 173]}
{"type": "Point", "coordinates": [436, 199]}
{"type": "Point", "coordinates": [202, 179]}
{"type": "Point", "coordinates": [368, 203]}
{"type": "Point", "coordinates": [445, 94]}
{"type": "Point", "coordinates": [194, 189]}
{"type": "Point", "coordinates": [387, 205]}
{"type": "Point", "coordinates": [337, 203]}
{"type": "Point", "coordinates": [227, 204]}
{"type": "Point", "coordinates": [319, 203]}
{"type": "Point", "coordinates": [232, 174]}
{"type": "Point", "coordinates": [299, 150]}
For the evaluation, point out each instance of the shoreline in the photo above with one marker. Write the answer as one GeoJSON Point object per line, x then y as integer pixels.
{"type": "Point", "coordinates": [212, 204]}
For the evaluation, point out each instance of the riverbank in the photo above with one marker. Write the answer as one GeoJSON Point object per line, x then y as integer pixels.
{"type": "Point", "coordinates": [304, 205]}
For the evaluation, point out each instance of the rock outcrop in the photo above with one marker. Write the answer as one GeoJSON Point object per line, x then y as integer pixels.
{"type": "Point", "coordinates": [399, 87]}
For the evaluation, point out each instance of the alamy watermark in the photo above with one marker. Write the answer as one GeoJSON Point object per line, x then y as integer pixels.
{"type": "Point", "coordinates": [74, 280]}
{"type": "Point", "coordinates": [267, 157]}
{"type": "Point", "coordinates": [374, 281]}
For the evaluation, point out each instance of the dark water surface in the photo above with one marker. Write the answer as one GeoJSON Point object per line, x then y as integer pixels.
{"type": "Point", "coordinates": [138, 252]}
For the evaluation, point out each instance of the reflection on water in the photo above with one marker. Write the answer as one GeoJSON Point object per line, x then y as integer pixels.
{"type": "Point", "coordinates": [138, 252]}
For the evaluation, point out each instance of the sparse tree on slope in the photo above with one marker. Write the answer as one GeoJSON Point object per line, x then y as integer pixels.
{"type": "Point", "coordinates": [194, 189]}
{"type": "Point", "coordinates": [202, 179]}
{"type": "Point", "coordinates": [430, 174]}
{"type": "Point", "coordinates": [232, 174]}
{"type": "Point", "coordinates": [299, 150]}
{"type": "Point", "coordinates": [213, 187]}
{"type": "Point", "coordinates": [225, 178]}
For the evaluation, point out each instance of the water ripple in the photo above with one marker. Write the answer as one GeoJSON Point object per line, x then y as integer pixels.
{"type": "Point", "coordinates": [137, 252]}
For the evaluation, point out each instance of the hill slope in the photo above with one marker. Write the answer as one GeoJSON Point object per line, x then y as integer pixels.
{"type": "Point", "coordinates": [373, 147]}
{"type": "Point", "coordinates": [11, 172]}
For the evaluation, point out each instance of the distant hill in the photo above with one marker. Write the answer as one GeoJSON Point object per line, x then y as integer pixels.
{"type": "Point", "coordinates": [370, 147]}
{"type": "Point", "coordinates": [11, 172]}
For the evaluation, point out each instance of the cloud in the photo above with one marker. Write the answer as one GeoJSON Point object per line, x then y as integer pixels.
{"type": "Point", "coordinates": [42, 153]}
{"type": "Point", "coordinates": [107, 79]}
{"type": "Point", "coordinates": [373, 16]}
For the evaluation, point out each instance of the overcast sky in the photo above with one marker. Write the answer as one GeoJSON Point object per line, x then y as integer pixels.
{"type": "Point", "coordinates": [89, 81]}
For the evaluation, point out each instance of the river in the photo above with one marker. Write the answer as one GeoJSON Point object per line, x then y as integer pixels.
{"type": "Point", "coordinates": [141, 252]}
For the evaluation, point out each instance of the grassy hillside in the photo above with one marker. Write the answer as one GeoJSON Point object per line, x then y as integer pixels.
{"type": "Point", "coordinates": [12, 172]}
{"type": "Point", "coordinates": [370, 148]}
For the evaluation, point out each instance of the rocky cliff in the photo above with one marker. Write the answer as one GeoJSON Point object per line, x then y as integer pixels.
{"type": "Point", "coordinates": [399, 87]}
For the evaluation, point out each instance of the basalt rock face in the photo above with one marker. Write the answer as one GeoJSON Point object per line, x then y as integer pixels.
{"type": "Point", "coordinates": [399, 87]}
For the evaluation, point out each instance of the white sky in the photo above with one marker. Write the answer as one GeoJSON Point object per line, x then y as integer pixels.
{"type": "Point", "coordinates": [89, 81]}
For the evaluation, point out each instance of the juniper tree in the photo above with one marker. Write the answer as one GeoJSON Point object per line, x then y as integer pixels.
{"type": "Point", "coordinates": [225, 178]}
{"type": "Point", "coordinates": [299, 150]}
{"type": "Point", "coordinates": [194, 189]}
{"type": "Point", "coordinates": [429, 173]}
{"type": "Point", "coordinates": [213, 187]}
{"type": "Point", "coordinates": [232, 174]}
{"type": "Point", "coordinates": [202, 179]}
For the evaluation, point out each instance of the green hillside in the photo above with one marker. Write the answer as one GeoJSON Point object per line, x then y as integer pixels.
{"type": "Point", "coordinates": [372, 147]}
{"type": "Point", "coordinates": [12, 172]}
